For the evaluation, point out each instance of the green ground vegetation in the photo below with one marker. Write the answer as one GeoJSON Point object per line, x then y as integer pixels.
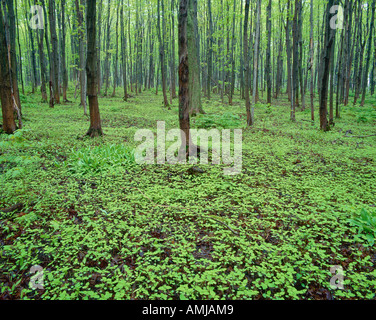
{"type": "Point", "coordinates": [103, 227]}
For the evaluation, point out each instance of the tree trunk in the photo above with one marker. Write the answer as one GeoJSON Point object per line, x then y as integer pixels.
{"type": "Point", "coordinates": [311, 51]}
{"type": "Point", "coordinates": [123, 51]}
{"type": "Point", "coordinates": [268, 53]}
{"type": "Point", "coordinates": [116, 51]}
{"type": "Point", "coordinates": [107, 59]}
{"type": "Point", "coordinates": [184, 74]}
{"type": "Point", "coordinates": [161, 36]}
{"type": "Point", "coordinates": [256, 62]}
{"type": "Point", "coordinates": [9, 125]}
{"type": "Point", "coordinates": [246, 65]}
{"type": "Point", "coordinates": [366, 67]}
{"type": "Point", "coordinates": [325, 67]}
{"type": "Point", "coordinates": [173, 71]}
{"type": "Point", "coordinates": [193, 60]}
{"type": "Point", "coordinates": [95, 128]}
{"type": "Point", "coordinates": [63, 63]}
{"type": "Point", "coordinates": [210, 50]}
{"type": "Point", "coordinates": [54, 53]}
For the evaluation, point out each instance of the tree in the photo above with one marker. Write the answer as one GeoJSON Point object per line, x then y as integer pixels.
{"type": "Point", "coordinates": [54, 53]}
{"type": "Point", "coordinates": [123, 51]}
{"type": "Point", "coordinates": [193, 60]}
{"type": "Point", "coordinates": [365, 74]}
{"type": "Point", "coordinates": [184, 102]}
{"type": "Point", "coordinates": [95, 128]}
{"type": "Point", "coordinates": [161, 37]}
{"type": "Point", "coordinates": [311, 53]}
{"type": "Point", "coordinates": [6, 94]}
{"type": "Point", "coordinates": [268, 53]}
{"type": "Point", "coordinates": [63, 63]}
{"type": "Point", "coordinates": [255, 61]}
{"type": "Point", "coordinates": [246, 65]}
{"type": "Point", "coordinates": [325, 67]}
{"type": "Point", "coordinates": [81, 36]}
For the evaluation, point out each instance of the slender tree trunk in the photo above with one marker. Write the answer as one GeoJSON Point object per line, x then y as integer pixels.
{"type": "Point", "coordinates": [173, 71]}
{"type": "Point", "coordinates": [256, 62]}
{"type": "Point", "coordinates": [311, 49]}
{"type": "Point", "coordinates": [54, 53]}
{"type": "Point", "coordinates": [116, 51]}
{"type": "Point", "coordinates": [19, 53]}
{"type": "Point", "coordinates": [210, 50]}
{"type": "Point", "coordinates": [246, 65]}
{"type": "Point", "coordinates": [95, 128]}
{"type": "Point", "coordinates": [193, 60]}
{"type": "Point", "coordinates": [81, 37]}
{"type": "Point", "coordinates": [184, 74]}
{"type": "Point", "coordinates": [288, 51]}
{"type": "Point", "coordinates": [161, 51]}
{"type": "Point", "coordinates": [99, 45]}
{"type": "Point", "coordinates": [107, 59]}
{"type": "Point", "coordinates": [123, 51]}
{"type": "Point", "coordinates": [329, 41]}
{"type": "Point", "coordinates": [366, 67]}
{"type": "Point", "coordinates": [43, 71]}
{"type": "Point", "coordinates": [13, 58]}
{"type": "Point", "coordinates": [9, 125]}
{"type": "Point", "coordinates": [63, 63]}
{"type": "Point", "coordinates": [268, 53]}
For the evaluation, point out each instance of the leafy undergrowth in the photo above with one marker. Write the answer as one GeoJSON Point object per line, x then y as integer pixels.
{"type": "Point", "coordinates": [102, 227]}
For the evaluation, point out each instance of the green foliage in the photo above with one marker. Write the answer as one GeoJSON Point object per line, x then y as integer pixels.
{"type": "Point", "coordinates": [100, 158]}
{"type": "Point", "coordinates": [366, 223]}
{"type": "Point", "coordinates": [226, 120]}
{"type": "Point", "coordinates": [102, 227]}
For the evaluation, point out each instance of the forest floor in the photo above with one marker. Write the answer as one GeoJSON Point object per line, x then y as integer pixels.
{"type": "Point", "coordinates": [103, 227]}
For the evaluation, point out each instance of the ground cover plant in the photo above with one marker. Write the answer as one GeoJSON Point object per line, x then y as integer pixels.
{"type": "Point", "coordinates": [271, 102]}
{"type": "Point", "coordinates": [103, 227]}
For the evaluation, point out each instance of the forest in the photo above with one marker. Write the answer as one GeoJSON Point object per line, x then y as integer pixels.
{"type": "Point", "coordinates": [188, 150]}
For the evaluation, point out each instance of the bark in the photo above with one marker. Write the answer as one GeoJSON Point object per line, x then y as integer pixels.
{"type": "Point", "coordinates": [366, 67]}
{"type": "Point", "coordinates": [311, 51]}
{"type": "Point", "coordinates": [256, 62]}
{"type": "Point", "coordinates": [193, 60]}
{"type": "Point", "coordinates": [9, 125]}
{"type": "Point", "coordinates": [95, 128]}
{"type": "Point", "coordinates": [268, 53]}
{"type": "Point", "coordinates": [173, 71]}
{"type": "Point", "coordinates": [325, 67]}
{"type": "Point", "coordinates": [99, 45]}
{"type": "Point", "coordinates": [184, 122]}
{"type": "Point", "coordinates": [12, 53]}
{"type": "Point", "coordinates": [123, 51]}
{"type": "Point", "coordinates": [116, 51]}
{"type": "Point", "coordinates": [232, 88]}
{"type": "Point", "coordinates": [43, 71]}
{"type": "Point", "coordinates": [161, 36]}
{"type": "Point", "coordinates": [19, 53]}
{"type": "Point", "coordinates": [54, 53]}
{"type": "Point", "coordinates": [288, 51]}
{"type": "Point", "coordinates": [63, 62]}
{"type": "Point", "coordinates": [295, 63]}
{"type": "Point", "coordinates": [107, 59]}
{"type": "Point", "coordinates": [246, 65]}
{"type": "Point", "coordinates": [210, 50]}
